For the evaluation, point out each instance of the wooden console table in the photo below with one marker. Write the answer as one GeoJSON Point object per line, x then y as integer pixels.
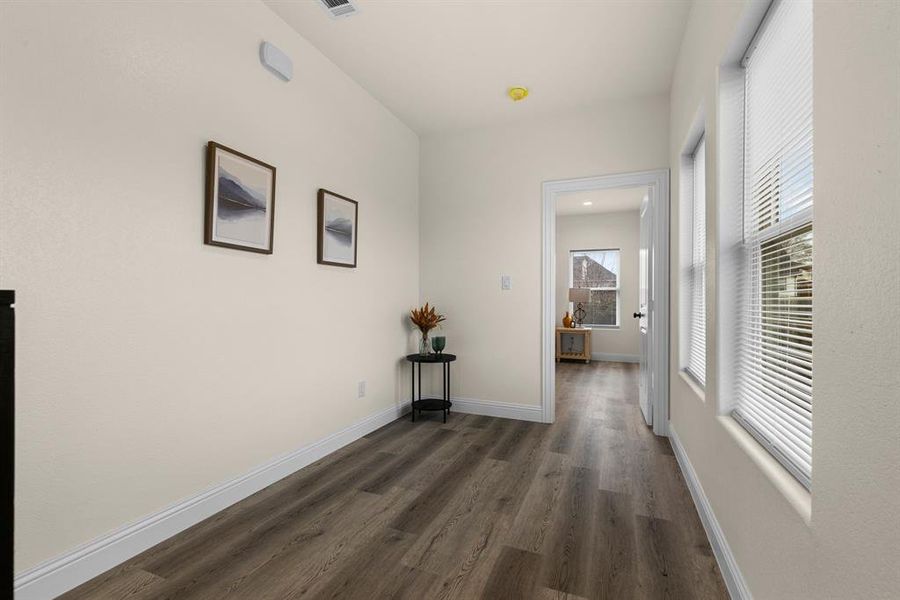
{"type": "Point", "coordinates": [573, 342]}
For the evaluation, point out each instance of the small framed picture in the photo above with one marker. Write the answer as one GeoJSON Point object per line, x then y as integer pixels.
{"type": "Point", "coordinates": [337, 230]}
{"type": "Point", "coordinates": [240, 200]}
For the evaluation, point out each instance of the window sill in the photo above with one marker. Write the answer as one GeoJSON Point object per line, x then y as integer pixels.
{"type": "Point", "coordinates": [693, 384]}
{"type": "Point", "coordinates": [793, 491]}
{"type": "Point", "coordinates": [602, 326]}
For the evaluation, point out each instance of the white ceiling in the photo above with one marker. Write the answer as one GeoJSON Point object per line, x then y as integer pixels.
{"type": "Point", "coordinates": [602, 201]}
{"type": "Point", "coordinates": [446, 64]}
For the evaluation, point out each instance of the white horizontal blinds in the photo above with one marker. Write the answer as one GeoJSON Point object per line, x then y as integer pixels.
{"type": "Point", "coordinates": [696, 363]}
{"type": "Point", "coordinates": [774, 395]}
{"type": "Point", "coordinates": [778, 114]}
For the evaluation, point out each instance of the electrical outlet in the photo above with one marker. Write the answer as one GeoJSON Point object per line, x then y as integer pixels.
{"type": "Point", "coordinates": [361, 389]}
{"type": "Point", "coordinates": [505, 282]}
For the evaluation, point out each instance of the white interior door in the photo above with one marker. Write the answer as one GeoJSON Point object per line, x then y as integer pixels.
{"type": "Point", "coordinates": [644, 312]}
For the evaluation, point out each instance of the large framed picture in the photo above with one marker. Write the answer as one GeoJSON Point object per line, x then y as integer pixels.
{"type": "Point", "coordinates": [337, 230]}
{"type": "Point", "coordinates": [240, 200]}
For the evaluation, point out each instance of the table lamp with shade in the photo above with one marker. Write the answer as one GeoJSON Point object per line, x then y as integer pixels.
{"type": "Point", "coordinates": [579, 297]}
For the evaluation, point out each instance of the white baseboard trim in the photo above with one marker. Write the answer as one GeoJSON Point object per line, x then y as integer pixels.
{"type": "Point", "coordinates": [731, 573]}
{"type": "Point", "coordinates": [521, 412]}
{"type": "Point", "coordinates": [85, 562]}
{"type": "Point", "coordinates": [626, 358]}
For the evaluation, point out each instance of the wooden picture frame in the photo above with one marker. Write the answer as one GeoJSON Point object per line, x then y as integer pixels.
{"type": "Point", "coordinates": [240, 201]}
{"type": "Point", "coordinates": [337, 225]}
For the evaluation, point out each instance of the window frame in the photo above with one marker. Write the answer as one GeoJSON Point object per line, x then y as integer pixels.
{"type": "Point", "coordinates": [691, 270]}
{"type": "Point", "coordinates": [617, 289]}
{"type": "Point", "coordinates": [747, 249]}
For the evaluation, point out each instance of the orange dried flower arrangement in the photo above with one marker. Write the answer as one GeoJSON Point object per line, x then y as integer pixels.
{"type": "Point", "coordinates": [425, 318]}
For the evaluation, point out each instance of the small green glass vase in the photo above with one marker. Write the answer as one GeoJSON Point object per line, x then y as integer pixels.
{"type": "Point", "coordinates": [439, 342]}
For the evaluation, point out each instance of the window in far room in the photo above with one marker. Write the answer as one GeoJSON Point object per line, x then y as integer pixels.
{"type": "Point", "coordinates": [597, 271]}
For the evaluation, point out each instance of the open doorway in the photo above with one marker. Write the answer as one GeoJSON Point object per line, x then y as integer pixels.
{"type": "Point", "coordinates": [606, 268]}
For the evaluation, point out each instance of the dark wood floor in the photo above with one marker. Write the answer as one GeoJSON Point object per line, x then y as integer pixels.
{"type": "Point", "coordinates": [593, 506]}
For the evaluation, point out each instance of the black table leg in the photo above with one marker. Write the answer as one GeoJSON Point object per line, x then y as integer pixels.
{"type": "Point", "coordinates": [444, 390]}
{"type": "Point", "coordinates": [448, 388]}
{"type": "Point", "coordinates": [412, 392]}
{"type": "Point", "coordinates": [420, 385]}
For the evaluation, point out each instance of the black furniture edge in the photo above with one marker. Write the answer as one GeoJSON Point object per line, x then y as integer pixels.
{"type": "Point", "coordinates": [7, 406]}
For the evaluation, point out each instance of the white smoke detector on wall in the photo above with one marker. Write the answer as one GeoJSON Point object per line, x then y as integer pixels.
{"type": "Point", "coordinates": [276, 61]}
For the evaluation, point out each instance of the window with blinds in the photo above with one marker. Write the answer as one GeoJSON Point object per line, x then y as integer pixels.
{"type": "Point", "coordinates": [696, 275]}
{"type": "Point", "coordinates": [775, 355]}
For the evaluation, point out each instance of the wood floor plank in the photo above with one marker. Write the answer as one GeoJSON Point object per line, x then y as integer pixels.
{"type": "Point", "coordinates": [525, 461]}
{"type": "Point", "coordinates": [369, 570]}
{"type": "Point", "coordinates": [128, 584]}
{"type": "Point", "coordinates": [394, 471]}
{"type": "Point", "coordinates": [312, 555]}
{"type": "Point", "coordinates": [588, 449]}
{"type": "Point", "coordinates": [568, 558]}
{"type": "Point", "coordinates": [565, 431]}
{"type": "Point", "coordinates": [591, 507]}
{"type": "Point", "coordinates": [651, 495]}
{"type": "Point", "coordinates": [615, 551]}
{"type": "Point", "coordinates": [301, 553]}
{"type": "Point", "coordinates": [405, 583]}
{"type": "Point", "coordinates": [548, 594]}
{"type": "Point", "coordinates": [409, 437]}
{"type": "Point", "coordinates": [452, 480]}
{"type": "Point", "coordinates": [515, 575]}
{"type": "Point", "coordinates": [535, 518]}
{"type": "Point", "coordinates": [617, 461]}
{"type": "Point", "coordinates": [432, 467]}
{"type": "Point", "coordinates": [478, 421]}
{"type": "Point", "coordinates": [511, 441]}
{"type": "Point", "coordinates": [461, 523]}
{"type": "Point", "coordinates": [468, 574]}
{"type": "Point", "coordinates": [666, 565]}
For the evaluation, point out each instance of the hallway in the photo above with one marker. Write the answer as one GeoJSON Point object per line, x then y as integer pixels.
{"type": "Point", "coordinates": [593, 506]}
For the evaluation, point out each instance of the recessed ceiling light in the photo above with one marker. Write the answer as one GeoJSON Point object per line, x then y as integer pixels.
{"type": "Point", "coordinates": [588, 203]}
{"type": "Point", "coordinates": [517, 93]}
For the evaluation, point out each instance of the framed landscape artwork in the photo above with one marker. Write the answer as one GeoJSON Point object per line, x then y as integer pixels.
{"type": "Point", "coordinates": [240, 200]}
{"type": "Point", "coordinates": [337, 230]}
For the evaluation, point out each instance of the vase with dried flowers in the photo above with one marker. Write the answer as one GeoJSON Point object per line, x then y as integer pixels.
{"type": "Point", "coordinates": [426, 319]}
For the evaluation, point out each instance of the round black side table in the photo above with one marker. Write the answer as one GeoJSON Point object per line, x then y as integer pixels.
{"type": "Point", "coordinates": [442, 404]}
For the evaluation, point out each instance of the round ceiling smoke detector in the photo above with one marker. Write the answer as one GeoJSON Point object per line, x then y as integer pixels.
{"type": "Point", "coordinates": [517, 93]}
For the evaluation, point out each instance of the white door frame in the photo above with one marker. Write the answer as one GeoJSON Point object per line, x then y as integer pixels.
{"type": "Point", "coordinates": [658, 183]}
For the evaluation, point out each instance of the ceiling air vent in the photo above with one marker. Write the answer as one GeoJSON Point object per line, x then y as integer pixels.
{"type": "Point", "coordinates": [339, 8]}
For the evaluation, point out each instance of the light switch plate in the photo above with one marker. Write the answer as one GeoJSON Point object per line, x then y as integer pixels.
{"type": "Point", "coordinates": [505, 282]}
{"type": "Point", "coordinates": [361, 389]}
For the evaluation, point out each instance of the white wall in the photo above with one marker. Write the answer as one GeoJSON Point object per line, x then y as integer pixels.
{"type": "Point", "coordinates": [151, 366]}
{"type": "Point", "coordinates": [481, 217]}
{"type": "Point", "coordinates": [620, 230]}
{"type": "Point", "coordinates": [842, 539]}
